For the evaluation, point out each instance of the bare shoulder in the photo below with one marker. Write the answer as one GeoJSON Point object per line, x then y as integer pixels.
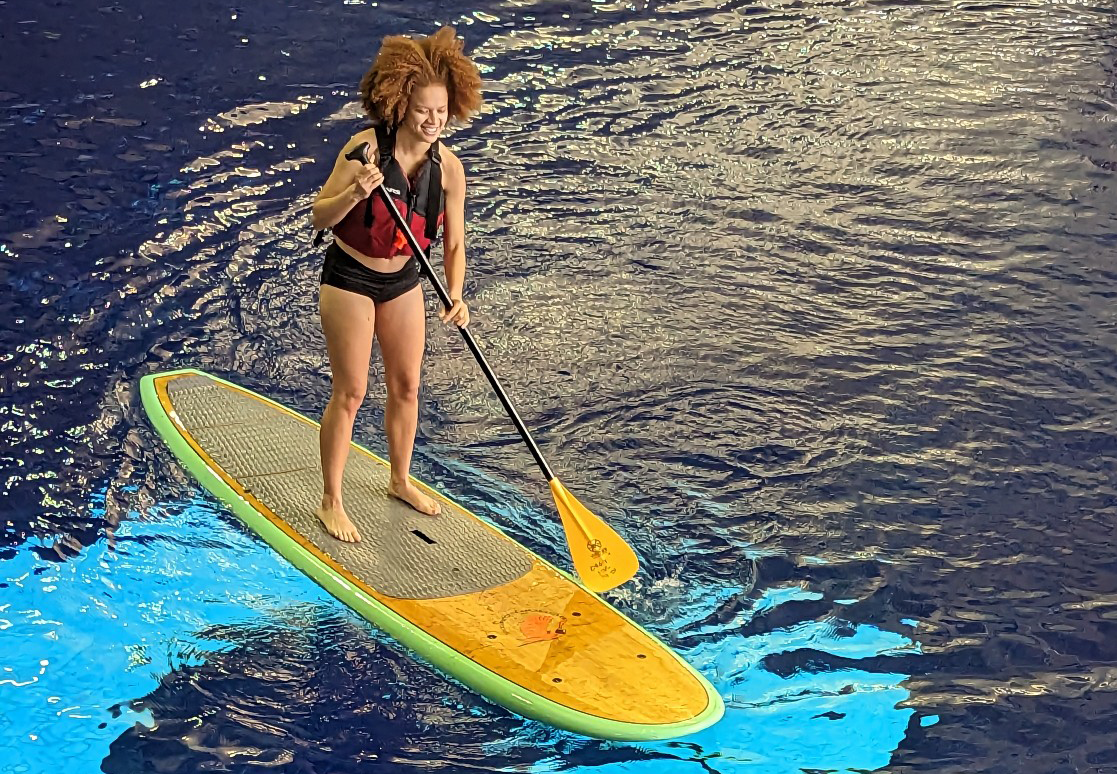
{"type": "Point", "coordinates": [451, 164]}
{"type": "Point", "coordinates": [365, 135]}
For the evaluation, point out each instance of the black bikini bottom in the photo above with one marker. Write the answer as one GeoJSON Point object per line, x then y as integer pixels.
{"type": "Point", "coordinates": [342, 270]}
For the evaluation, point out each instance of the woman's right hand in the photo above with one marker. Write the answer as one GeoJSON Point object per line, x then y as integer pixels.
{"type": "Point", "coordinates": [368, 177]}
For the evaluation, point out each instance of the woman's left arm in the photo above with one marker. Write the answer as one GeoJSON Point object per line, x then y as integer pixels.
{"type": "Point", "coordinates": [453, 240]}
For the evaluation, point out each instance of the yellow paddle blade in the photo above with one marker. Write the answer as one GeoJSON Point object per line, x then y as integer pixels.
{"type": "Point", "coordinates": [601, 557]}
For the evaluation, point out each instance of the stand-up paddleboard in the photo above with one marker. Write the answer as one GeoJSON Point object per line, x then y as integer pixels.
{"type": "Point", "coordinates": [452, 588]}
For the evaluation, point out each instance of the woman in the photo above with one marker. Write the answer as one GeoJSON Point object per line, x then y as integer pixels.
{"type": "Point", "coordinates": [370, 281]}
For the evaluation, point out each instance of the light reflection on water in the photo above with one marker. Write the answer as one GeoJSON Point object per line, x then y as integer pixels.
{"type": "Point", "coordinates": [811, 300]}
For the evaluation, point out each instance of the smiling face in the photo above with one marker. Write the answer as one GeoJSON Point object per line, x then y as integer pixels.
{"type": "Point", "coordinates": [427, 112]}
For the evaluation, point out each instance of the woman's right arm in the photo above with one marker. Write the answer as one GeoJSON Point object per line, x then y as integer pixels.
{"type": "Point", "coordinates": [348, 183]}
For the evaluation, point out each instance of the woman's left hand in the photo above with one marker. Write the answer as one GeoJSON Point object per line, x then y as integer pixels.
{"type": "Point", "coordinates": [457, 314]}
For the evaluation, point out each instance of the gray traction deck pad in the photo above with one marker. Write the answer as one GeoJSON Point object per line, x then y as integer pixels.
{"type": "Point", "coordinates": [275, 457]}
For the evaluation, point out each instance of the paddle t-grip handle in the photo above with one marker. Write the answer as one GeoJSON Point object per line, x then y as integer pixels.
{"type": "Point", "coordinates": [360, 153]}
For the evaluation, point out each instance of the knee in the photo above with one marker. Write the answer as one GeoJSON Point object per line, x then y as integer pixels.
{"type": "Point", "coordinates": [348, 398]}
{"type": "Point", "coordinates": [404, 387]}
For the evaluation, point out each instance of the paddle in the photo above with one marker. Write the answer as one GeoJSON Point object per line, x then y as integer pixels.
{"type": "Point", "coordinates": [602, 559]}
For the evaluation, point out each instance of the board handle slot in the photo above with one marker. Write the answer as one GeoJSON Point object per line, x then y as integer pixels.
{"type": "Point", "coordinates": [421, 536]}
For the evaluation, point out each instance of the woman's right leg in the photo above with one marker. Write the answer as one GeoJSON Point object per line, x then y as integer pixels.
{"type": "Point", "coordinates": [348, 321]}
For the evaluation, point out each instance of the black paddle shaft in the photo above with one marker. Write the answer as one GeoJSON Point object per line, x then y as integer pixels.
{"type": "Point", "coordinates": [360, 153]}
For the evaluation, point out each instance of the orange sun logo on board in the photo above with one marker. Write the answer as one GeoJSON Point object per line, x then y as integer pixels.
{"type": "Point", "coordinates": [535, 625]}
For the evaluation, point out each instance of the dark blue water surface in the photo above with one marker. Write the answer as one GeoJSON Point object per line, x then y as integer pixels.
{"type": "Point", "coordinates": [813, 300]}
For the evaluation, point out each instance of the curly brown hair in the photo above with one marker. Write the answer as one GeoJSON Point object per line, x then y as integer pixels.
{"type": "Point", "coordinates": [404, 64]}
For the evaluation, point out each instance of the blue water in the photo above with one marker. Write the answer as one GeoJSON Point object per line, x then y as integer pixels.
{"type": "Point", "coordinates": [812, 301]}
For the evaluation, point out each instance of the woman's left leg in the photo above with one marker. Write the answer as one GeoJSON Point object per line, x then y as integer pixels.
{"type": "Point", "coordinates": [401, 331]}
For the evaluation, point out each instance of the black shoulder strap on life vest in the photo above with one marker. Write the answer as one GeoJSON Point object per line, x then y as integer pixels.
{"type": "Point", "coordinates": [385, 145]}
{"type": "Point", "coordinates": [434, 192]}
{"type": "Point", "coordinates": [385, 148]}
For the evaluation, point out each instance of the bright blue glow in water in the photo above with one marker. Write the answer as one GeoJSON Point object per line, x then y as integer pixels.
{"type": "Point", "coordinates": [82, 639]}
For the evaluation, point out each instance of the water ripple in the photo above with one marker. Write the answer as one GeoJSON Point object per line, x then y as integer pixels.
{"type": "Point", "coordinates": [811, 300]}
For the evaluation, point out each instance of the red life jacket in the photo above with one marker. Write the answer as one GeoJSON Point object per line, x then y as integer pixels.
{"type": "Point", "coordinates": [369, 227]}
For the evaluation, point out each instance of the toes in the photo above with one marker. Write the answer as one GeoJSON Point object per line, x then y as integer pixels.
{"type": "Point", "coordinates": [344, 532]}
{"type": "Point", "coordinates": [425, 505]}
{"type": "Point", "coordinates": [416, 499]}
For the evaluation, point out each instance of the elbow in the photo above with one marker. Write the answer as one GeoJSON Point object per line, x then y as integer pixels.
{"type": "Point", "coordinates": [316, 219]}
{"type": "Point", "coordinates": [453, 252]}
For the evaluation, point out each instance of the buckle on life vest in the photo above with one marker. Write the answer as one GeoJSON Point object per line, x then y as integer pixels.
{"type": "Point", "coordinates": [399, 242]}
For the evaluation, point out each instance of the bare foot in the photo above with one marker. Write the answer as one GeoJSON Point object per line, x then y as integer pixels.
{"type": "Point", "coordinates": [411, 495]}
{"type": "Point", "coordinates": [337, 523]}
